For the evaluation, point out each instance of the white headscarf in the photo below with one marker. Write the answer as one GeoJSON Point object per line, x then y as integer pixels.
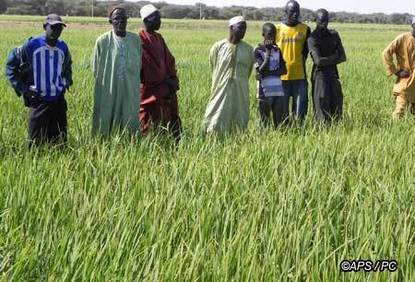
{"type": "Point", "coordinates": [147, 10]}
{"type": "Point", "coordinates": [236, 20]}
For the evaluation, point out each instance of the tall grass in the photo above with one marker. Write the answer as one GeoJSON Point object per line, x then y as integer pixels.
{"type": "Point", "coordinates": [263, 205]}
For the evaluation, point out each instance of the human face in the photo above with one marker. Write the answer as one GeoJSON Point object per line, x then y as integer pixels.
{"type": "Point", "coordinates": [268, 32]}
{"type": "Point", "coordinates": [153, 22]}
{"type": "Point", "coordinates": [322, 19]}
{"type": "Point", "coordinates": [119, 22]}
{"type": "Point", "coordinates": [53, 32]}
{"type": "Point", "coordinates": [238, 31]}
{"type": "Point", "coordinates": [293, 12]}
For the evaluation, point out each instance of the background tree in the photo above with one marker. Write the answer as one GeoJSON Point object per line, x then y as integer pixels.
{"type": "Point", "coordinates": [199, 10]}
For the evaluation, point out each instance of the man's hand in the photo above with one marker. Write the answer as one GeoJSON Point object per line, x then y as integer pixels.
{"type": "Point", "coordinates": [173, 84]}
{"type": "Point", "coordinates": [268, 44]}
{"type": "Point", "coordinates": [403, 74]}
{"type": "Point", "coordinates": [268, 47]}
{"type": "Point", "coordinates": [31, 98]}
{"type": "Point", "coordinates": [333, 57]}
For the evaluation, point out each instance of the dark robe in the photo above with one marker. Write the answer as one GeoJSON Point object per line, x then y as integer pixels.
{"type": "Point", "coordinates": [327, 52]}
{"type": "Point", "coordinates": [159, 107]}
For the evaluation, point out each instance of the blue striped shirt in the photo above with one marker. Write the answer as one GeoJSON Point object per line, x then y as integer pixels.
{"type": "Point", "coordinates": [271, 85]}
{"type": "Point", "coordinates": [47, 64]}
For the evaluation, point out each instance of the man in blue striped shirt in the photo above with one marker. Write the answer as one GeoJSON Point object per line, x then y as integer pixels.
{"type": "Point", "coordinates": [41, 72]}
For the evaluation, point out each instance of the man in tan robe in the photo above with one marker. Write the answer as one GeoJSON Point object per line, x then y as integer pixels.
{"type": "Point", "coordinates": [403, 48]}
{"type": "Point", "coordinates": [231, 62]}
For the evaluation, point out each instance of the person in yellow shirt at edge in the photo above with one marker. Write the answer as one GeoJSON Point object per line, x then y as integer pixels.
{"type": "Point", "coordinates": [403, 48]}
{"type": "Point", "coordinates": [292, 38]}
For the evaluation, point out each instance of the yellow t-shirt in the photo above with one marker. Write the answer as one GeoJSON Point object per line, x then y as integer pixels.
{"type": "Point", "coordinates": [291, 41]}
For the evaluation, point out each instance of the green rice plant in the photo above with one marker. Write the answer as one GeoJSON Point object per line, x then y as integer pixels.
{"type": "Point", "coordinates": [285, 205]}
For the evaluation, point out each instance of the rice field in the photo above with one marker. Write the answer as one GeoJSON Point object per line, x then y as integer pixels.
{"type": "Point", "coordinates": [285, 205]}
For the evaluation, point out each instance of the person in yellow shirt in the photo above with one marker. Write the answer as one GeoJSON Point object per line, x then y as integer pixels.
{"type": "Point", "coordinates": [403, 48]}
{"type": "Point", "coordinates": [292, 38]}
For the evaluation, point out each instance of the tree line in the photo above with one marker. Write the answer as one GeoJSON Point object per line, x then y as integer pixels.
{"type": "Point", "coordinates": [197, 11]}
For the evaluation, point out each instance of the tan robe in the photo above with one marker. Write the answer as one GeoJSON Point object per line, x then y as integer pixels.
{"type": "Point", "coordinates": [228, 108]}
{"type": "Point", "coordinates": [403, 47]}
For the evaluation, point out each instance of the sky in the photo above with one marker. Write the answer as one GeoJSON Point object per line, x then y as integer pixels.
{"type": "Point", "coordinates": [360, 6]}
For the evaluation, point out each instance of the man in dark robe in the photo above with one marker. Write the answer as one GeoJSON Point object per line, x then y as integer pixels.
{"type": "Point", "coordinates": [159, 82]}
{"type": "Point", "coordinates": [327, 52]}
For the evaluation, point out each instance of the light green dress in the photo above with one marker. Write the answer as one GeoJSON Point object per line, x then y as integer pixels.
{"type": "Point", "coordinates": [116, 66]}
{"type": "Point", "coordinates": [228, 108]}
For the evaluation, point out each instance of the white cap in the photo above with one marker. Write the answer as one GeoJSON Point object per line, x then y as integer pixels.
{"type": "Point", "coordinates": [147, 10]}
{"type": "Point", "coordinates": [413, 20]}
{"type": "Point", "coordinates": [236, 20]}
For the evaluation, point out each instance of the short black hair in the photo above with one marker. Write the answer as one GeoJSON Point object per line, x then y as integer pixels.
{"type": "Point", "coordinates": [270, 26]}
{"type": "Point", "coordinates": [118, 7]}
{"type": "Point", "coordinates": [323, 11]}
{"type": "Point", "coordinates": [292, 2]}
